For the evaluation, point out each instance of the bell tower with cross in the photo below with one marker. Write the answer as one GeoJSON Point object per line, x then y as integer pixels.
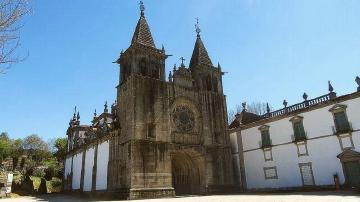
{"type": "Point", "coordinates": [142, 58]}
{"type": "Point", "coordinates": [142, 113]}
{"type": "Point", "coordinates": [207, 77]}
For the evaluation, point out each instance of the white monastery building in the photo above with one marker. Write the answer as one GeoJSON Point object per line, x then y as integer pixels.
{"type": "Point", "coordinates": [314, 144]}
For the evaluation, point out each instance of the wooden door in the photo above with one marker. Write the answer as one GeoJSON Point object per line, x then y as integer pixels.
{"type": "Point", "coordinates": [352, 170]}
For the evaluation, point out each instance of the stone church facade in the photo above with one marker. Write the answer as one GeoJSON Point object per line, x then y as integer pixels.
{"type": "Point", "coordinates": [165, 135]}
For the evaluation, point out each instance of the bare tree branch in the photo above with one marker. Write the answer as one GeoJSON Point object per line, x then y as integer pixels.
{"type": "Point", "coordinates": [258, 108]}
{"type": "Point", "coordinates": [11, 13]}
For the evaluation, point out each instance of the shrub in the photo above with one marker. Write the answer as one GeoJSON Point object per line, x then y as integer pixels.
{"type": "Point", "coordinates": [49, 173]}
{"type": "Point", "coordinates": [55, 182]}
{"type": "Point", "coordinates": [53, 168]}
{"type": "Point", "coordinates": [39, 172]}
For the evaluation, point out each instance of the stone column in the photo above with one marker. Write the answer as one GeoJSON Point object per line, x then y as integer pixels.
{"type": "Point", "coordinates": [93, 185]}
{"type": "Point", "coordinates": [82, 170]}
{"type": "Point", "coordinates": [71, 173]}
{"type": "Point", "coordinates": [243, 184]}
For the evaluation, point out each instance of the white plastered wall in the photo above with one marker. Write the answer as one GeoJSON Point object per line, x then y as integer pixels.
{"type": "Point", "coordinates": [102, 166]}
{"type": "Point", "coordinates": [77, 171]}
{"type": "Point", "coordinates": [67, 167]}
{"type": "Point", "coordinates": [323, 150]}
{"type": "Point", "coordinates": [353, 113]}
{"type": "Point", "coordinates": [88, 169]}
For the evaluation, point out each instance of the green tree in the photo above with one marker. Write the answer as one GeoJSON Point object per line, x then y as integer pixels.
{"type": "Point", "coordinates": [54, 168]}
{"type": "Point", "coordinates": [36, 148]}
{"type": "Point", "coordinates": [17, 151]}
{"type": "Point", "coordinates": [60, 148]}
{"type": "Point", "coordinates": [5, 146]}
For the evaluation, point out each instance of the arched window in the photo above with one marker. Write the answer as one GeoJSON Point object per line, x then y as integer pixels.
{"type": "Point", "coordinates": [216, 85]}
{"type": "Point", "coordinates": [155, 70]}
{"type": "Point", "coordinates": [208, 83]}
{"type": "Point", "coordinates": [143, 69]}
{"type": "Point", "coordinates": [122, 74]}
{"type": "Point", "coordinates": [127, 71]}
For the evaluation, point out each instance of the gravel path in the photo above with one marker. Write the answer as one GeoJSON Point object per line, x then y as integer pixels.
{"type": "Point", "coordinates": [292, 197]}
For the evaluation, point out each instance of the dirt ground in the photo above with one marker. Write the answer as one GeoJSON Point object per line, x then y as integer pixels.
{"type": "Point", "coordinates": [288, 197]}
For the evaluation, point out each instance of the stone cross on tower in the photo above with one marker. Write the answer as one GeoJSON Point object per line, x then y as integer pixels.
{"type": "Point", "coordinates": [182, 61]}
{"type": "Point", "coordinates": [142, 7]}
{"type": "Point", "coordinates": [197, 27]}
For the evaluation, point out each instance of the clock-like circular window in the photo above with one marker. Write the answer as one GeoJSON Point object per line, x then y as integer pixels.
{"type": "Point", "coordinates": [183, 119]}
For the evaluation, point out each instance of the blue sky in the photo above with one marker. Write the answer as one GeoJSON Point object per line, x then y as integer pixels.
{"type": "Point", "coordinates": [272, 50]}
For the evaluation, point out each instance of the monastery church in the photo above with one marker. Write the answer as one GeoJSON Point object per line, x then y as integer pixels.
{"type": "Point", "coordinates": [168, 135]}
{"type": "Point", "coordinates": [161, 137]}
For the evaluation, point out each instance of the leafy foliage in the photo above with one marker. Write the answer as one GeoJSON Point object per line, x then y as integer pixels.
{"type": "Point", "coordinates": [34, 162]}
{"type": "Point", "coordinates": [61, 148]}
{"type": "Point", "coordinates": [39, 172]}
{"type": "Point", "coordinates": [52, 168]}
{"type": "Point", "coordinates": [5, 146]}
{"type": "Point", "coordinates": [32, 155]}
{"type": "Point", "coordinates": [35, 148]}
{"type": "Point", "coordinates": [17, 151]}
{"type": "Point", "coordinates": [10, 148]}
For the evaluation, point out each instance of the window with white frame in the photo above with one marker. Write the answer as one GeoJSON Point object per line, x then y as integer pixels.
{"type": "Point", "coordinates": [270, 173]}
{"type": "Point", "coordinates": [307, 175]}
{"type": "Point", "coordinates": [268, 154]}
{"type": "Point", "coordinates": [302, 148]}
{"type": "Point", "coordinates": [346, 141]}
{"type": "Point", "coordinates": [298, 127]}
{"type": "Point", "coordinates": [342, 124]}
{"type": "Point", "coordinates": [265, 136]}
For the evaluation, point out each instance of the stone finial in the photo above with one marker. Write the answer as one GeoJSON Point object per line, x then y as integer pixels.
{"type": "Point", "coordinates": [305, 96]}
{"type": "Point", "coordinates": [78, 116]}
{"type": "Point", "coordinates": [74, 115]}
{"type": "Point", "coordinates": [244, 106]}
{"type": "Point", "coordinates": [267, 108]}
{"type": "Point", "coordinates": [285, 103]}
{"type": "Point", "coordinates": [219, 66]}
{"type": "Point", "coordinates": [357, 79]}
{"type": "Point", "coordinates": [95, 114]}
{"type": "Point", "coordinates": [331, 88]}
{"type": "Point", "coordinates": [332, 94]}
{"type": "Point", "coordinates": [142, 7]}
{"type": "Point", "coordinates": [170, 77]}
{"type": "Point", "coordinates": [197, 27]}
{"type": "Point", "coordinates": [174, 68]}
{"type": "Point", "coordinates": [162, 48]}
{"type": "Point", "coordinates": [106, 107]}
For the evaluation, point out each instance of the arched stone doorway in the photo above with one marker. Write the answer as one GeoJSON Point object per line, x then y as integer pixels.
{"type": "Point", "coordinates": [187, 171]}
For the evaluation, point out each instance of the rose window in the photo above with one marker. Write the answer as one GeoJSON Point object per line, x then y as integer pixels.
{"type": "Point", "coordinates": [183, 119]}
